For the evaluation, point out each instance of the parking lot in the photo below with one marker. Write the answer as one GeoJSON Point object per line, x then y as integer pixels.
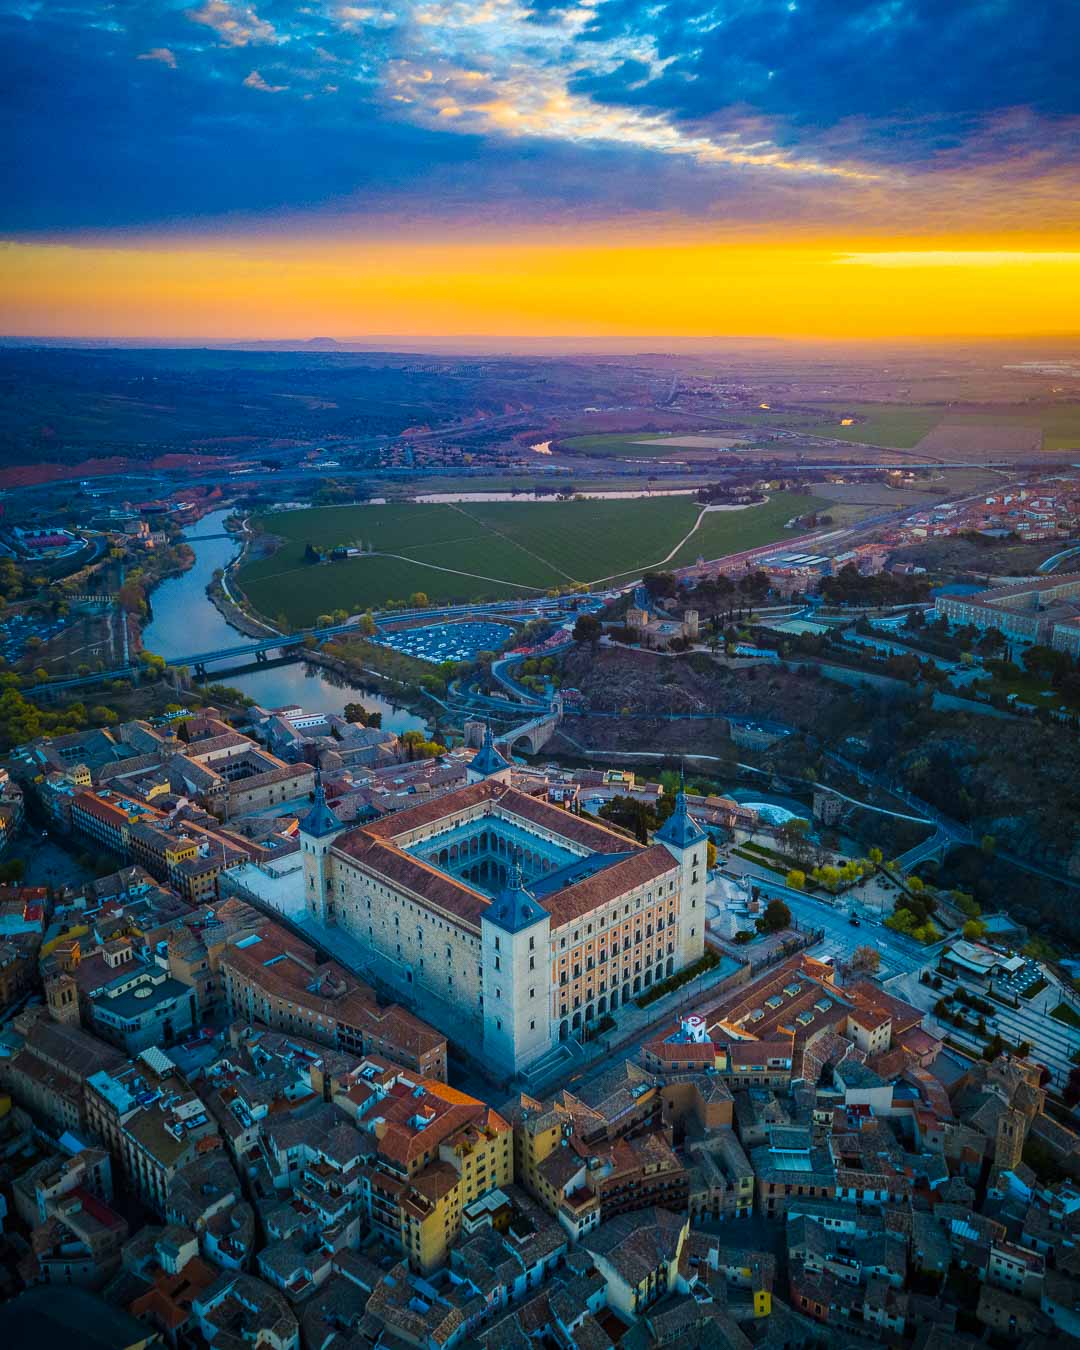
{"type": "Point", "coordinates": [20, 628]}
{"type": "Point", "coordinates": [439, 642]}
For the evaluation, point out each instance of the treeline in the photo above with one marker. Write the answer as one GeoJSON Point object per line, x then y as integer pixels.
{"type": "Point", "coordinates": [851, 587]}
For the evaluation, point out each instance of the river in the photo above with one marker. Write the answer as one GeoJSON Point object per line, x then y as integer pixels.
{"type": "Point", "coordinates": [186, 620]}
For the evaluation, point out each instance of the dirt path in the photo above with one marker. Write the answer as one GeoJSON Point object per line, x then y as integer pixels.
{"type": "Point", "coordinates": [521, 547]}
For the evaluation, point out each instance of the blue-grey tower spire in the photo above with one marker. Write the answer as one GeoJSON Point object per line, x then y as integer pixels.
{"type": "Point", "coordinates": [320, 820]}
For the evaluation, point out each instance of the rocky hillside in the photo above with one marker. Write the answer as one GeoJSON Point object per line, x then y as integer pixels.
{"type": "Point", "coordinates": [1016, 780]}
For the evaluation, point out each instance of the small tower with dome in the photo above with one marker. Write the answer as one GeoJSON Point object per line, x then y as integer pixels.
{"type": "Point", "coordinates": [515, 944]}
{"type": "Point", "coordinates": [687, 843]}
{"type": "Point", "coordinates": [488, 765]}
{"type": "Point", "coordinates": [318, 830]}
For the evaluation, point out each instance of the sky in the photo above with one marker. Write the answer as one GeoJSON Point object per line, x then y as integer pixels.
{"type": "Point", "coordinates": [776, 168]}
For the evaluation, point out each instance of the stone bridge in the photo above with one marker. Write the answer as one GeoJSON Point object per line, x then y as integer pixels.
{"type": "Point", "coordinates": [533, 735]}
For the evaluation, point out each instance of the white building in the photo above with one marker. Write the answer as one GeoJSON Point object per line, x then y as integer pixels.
{"type": "Point", "coordinates": [509, 922]}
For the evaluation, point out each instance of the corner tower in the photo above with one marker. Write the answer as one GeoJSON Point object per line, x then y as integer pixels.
{"type": "Point", "coordinates": [687, 843]}
{"type": "Point", "coordinates": [318, 830]}
{"type": "Point", "coordinates": [488, 765]}
{"type": "Point", "coordinates": [515, 944]}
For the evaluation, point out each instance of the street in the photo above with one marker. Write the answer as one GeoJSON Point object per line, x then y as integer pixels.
{"type": "Point", "coordinates": [899, 954]}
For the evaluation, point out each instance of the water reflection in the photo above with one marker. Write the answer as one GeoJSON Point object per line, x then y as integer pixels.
{"type": "Point", "coordinates": [185, 620]}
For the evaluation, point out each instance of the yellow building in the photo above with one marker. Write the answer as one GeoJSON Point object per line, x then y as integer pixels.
{"type": "Point", "coordinates": [437, 1151]}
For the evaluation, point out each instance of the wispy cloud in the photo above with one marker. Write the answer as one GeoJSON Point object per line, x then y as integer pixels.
{"type": "Point", "coordinates": [235, 25]}
{"type": "Point", "coordinates": [518, 81]}
{"type": "Point", "coordinates": [162, 54]}
{"type": "Point", "coordinates": [256, 81]}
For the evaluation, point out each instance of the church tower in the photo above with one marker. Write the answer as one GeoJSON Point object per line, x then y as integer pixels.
{"type": "Point", "coordinates": [62, 996]}
{"type": "Point", "coordinates": [687, 843]}
{"type": "Point", "coordinates": [318, 830]}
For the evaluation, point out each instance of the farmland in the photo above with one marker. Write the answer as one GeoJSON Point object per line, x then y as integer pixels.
{"type": "Point", "coordinates": [987, 430]}
{"type": "Point", "coordinates": [482, 551]}
{"type": "Point", "coordinates": [896, 426]}
{"type": "Point", "coordinates": [620, 445]}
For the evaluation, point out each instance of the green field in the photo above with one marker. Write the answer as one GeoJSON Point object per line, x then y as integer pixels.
{"type": "Point", "coordinates": [1059, 423]}
{"type": "Point", "coordinates": [483, 551]}
{"type": "Point", "coordinates": [729, 531]}
{"type": "Point", "coordinates": [625, 445]}
{"type": "Point", "coordinates": [901, 428]}
{"type": "Point", "coordinates": [889, 425]}
{"type": "Point", "coordinates": [885, 424]}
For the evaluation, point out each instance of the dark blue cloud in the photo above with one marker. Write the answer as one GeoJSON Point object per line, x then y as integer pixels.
{"type": "Point", "coordinates": [93, 138]}
{"type": "Point", "coordinates": [814, 63]}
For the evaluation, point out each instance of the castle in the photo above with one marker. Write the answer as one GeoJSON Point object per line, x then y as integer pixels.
{"type": "Point", "coordinates": [509, 922]}
{"type": "Point", "coordinates": [643, 617]}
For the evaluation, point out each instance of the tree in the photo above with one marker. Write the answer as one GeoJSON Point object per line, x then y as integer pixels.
{"type": "Point", "coordinates": [796, 880]}
{"type": "Point", "coordinates": [710, 855]}
{"type": "Point", "coordinates": [876, 856]}
{"type": "Point", "coordinates": [866, 958]}
{"type": "Point", "coordinates": [418, 600]}
{"type": "Point", "coordinates": [777, 916]}
{"type": "Point", "coordinates": [988, 844]}
{"type": "Point", "coordinates": [588, 628]}
{"type": "Point", "coordinates": [633, 815]}
{"type": "Point", "coordinates": [973, 929]}
{"type": "Point", "coordinates": [792, 835]}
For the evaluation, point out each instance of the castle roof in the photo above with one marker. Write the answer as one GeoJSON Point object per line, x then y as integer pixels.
{"type": "Point", "coordinates": [514, 908]}
{"type": "Point", "coordinates": [680, 829]}
{"type": "Point", "coordinates": [320, 820]}
{"type": "Point", "coordinates": [488, 760]}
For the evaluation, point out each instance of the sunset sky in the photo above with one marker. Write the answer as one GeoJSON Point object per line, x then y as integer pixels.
{"type": "Point", "coordinates": [819, 168]}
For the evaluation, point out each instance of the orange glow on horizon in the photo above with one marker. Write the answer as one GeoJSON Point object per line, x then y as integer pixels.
{"type": "Point", "coordinates": [300, 288]}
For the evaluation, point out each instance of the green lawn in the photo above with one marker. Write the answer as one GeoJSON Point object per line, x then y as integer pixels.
{"type": "Point", "coordinates": [1064, 1013]}
{"type": "Point", "coordinates": [1033, 689]}
{"type": "Point", "coordinates": [488, 550]}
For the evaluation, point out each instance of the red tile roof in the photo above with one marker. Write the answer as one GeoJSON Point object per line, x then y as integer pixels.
{"type": "Point", "coordinates": [374, 847]}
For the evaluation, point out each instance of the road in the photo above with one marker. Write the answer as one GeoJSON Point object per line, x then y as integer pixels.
{"type": "Point", "coordinates": [900, 955]}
